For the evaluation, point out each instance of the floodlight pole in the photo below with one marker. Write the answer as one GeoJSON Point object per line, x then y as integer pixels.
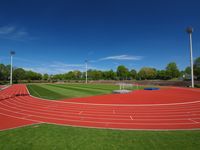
{"type": "Point", "coordinates": [190, 31]}
{"type": "Point", "coordinates": [86, 73]}
{"type": "Point", "coordinates": [12, 53]}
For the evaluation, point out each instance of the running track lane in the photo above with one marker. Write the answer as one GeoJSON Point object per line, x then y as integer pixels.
{"type": "Point", "coordinates": [24, 110]}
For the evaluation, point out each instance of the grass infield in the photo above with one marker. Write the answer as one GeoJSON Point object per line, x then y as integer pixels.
{"type": "Point", "coordinates": [53, 137]}
{"type": "Point", "coordinates": [63, 91]}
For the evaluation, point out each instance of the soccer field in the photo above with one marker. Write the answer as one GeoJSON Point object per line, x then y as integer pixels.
{"type": "Point", "coordinates": [63, 91]}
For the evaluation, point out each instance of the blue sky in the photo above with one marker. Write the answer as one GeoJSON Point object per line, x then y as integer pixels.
{"type": "Point", "coordinates": [57, 36]}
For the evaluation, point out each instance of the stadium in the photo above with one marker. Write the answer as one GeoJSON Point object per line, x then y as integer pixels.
{"type": "Point", "coordinates": [99, 75]}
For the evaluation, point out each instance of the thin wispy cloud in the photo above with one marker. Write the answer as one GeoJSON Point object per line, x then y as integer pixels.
{"type": "Point", "coordinates": [122, 57]}
{"type": "Point", "coordinates": [6, 30]}
{"type": "Point", "coordinates": [60, 64]}
{"type": "Point", "coordinates": [56, 68]}
{"type": "Point", "coordinates": [13, 33]}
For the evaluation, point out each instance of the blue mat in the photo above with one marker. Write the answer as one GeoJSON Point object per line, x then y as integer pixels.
{"type": "Point", "coordinates": [151, 88]}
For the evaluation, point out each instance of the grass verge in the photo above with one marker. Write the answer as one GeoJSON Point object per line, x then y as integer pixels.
{"type": "Point", "coordinates": [53, 137]}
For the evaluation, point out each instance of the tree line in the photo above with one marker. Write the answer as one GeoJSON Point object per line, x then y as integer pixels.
{"type": "Point", "coordinates": [122, 73]}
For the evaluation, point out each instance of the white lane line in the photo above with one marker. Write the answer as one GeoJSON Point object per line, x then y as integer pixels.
{"type": "Point", "coordinates": [193, 121]}
{"type": "Point", "coordinates": [125, 105]}
{"type": "Point", "coordinates": [12, 128]}
{"type": "Point", "coordinates": [131, 117]}
{"type": "Point", "coordinates": [27, 116]}
{"type": "Point", "coordinates": [73, 108]}
{"type": "Point", "coordinates": [88, 121]}
{"type": "Point", "coordinates": [63, 114]}
{"type": "Point", "coordinates": [34, 121]}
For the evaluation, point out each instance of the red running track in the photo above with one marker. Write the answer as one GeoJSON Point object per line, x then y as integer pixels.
{"type": "Point", "coordinates": [168, 109]}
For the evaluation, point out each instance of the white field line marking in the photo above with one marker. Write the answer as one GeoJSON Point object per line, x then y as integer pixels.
{"type": "Point", "coordinates": [85, 121]}
{"type": "Point", "coordinates": [193, 121]}
{"type": "Point", "coordinates": [131, 117]}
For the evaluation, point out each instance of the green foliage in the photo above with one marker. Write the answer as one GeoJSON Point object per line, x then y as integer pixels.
{"type": "Point", "coordinates": [188, 70]}
{"type": "Point", "coordinates": [95, 74]}
{"type": "Point", "coordinates": [4, 72]}
{"type": "Point", "coordinates": [133, 74]}
{"type": "Point", "coordinates": [109, 75]}
{"type": "Point", "coordinates": [172, 70]}
{"type": "Point", "coordinates": [45, 76]}
{"type": "Point", "coordinates": [19, 74]}
{"type": "Point", "coordinates": [197, 68]}
{"type": "Point", "coordinates": [30, 75]}
{"type": "Point", "coordinates": [122, 72]}
{"type": "Point", "coordinates": [147, 73]}
{"type": "Point", "coordinates": [161, 74]}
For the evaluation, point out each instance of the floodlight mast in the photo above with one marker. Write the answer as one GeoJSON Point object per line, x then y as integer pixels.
{"type": "Point", "coordinates": [190, 31]}
{"type": "Point", "coordinates": [86, 73]}
{"type": "Point", "coordinates": [12, 53]}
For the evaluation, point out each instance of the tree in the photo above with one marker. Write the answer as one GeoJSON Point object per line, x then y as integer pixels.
{"type": "Point", "coordinates": [197, 68]}
{"type": "Point", "coordinates": [188, 70]}
{"type": "Point", "coordinates": [133, 74]}
{"type": "Point", "coordinates": [77, 74]}
{"type": "Point", "coordinates": [95, 74]}
{"type": "Point", "coordinates": [19, 74]}
{"type": "Point", "coordinates": [172, 70]}
{"type": "Point", "coordinates": [109, 75]}
{"type": "Point", "coordinates": [161, 74]}
{"type": "Point", "coordinates": [147, 73]}
{"type": "Point", "coordinates": [4, 72]}
{"type": "Point", "coordinates": [58, 77]}
{"type": "Point", "coordinates": [122, 72]}
{"type": "Point", "coordinates": [30, 75]}
{"type": "Point", "coordinates": [45, 76]}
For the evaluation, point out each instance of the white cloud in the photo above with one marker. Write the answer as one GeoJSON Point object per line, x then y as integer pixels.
{"type": "Point", "coordinates": [13, 33]}
{"type": "Point", "coordinates": [7, 29]}
{"type": "Point", "coordinates": [56, 68]}
{"type": "Point", "coordinates": [121, 57]}
{"type": "Point", "coordinates": [60, 64]}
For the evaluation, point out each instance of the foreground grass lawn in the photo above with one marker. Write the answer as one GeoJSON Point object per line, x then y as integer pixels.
{"type": "Point", "coordinates": [53, 137]}
{"type": "Point", "coordinates": [62, 91]}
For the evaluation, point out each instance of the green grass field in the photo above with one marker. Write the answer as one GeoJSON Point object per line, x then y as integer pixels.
{"type": "Point", "coordinates": [52, 137]}
{"type": "Point", "coordinates": [63, 91]}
